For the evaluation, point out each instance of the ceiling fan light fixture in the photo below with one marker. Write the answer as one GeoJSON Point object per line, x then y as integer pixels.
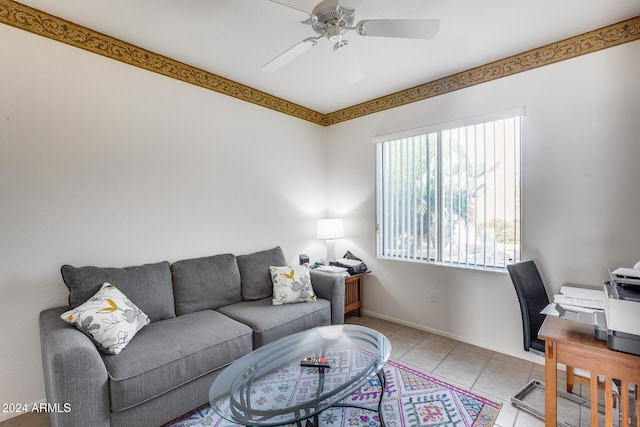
{"type": "Point", "coordinates": [348, 63]}
{"type": "Point", "coordinates": [334, 32]}
{"type": "Point", "coordinates": [340, 44]}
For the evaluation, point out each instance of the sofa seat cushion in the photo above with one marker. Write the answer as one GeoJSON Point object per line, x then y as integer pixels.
{"type": "Point", "coordinates": [271, 322]}
{"type": "Point", "coordinates": [172, 352]}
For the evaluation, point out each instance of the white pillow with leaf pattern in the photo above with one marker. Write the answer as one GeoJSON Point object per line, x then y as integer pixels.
{"type": "Point", "coordinates": [109, 318]}
{"type": "Point", "coordinates": [291, 284]}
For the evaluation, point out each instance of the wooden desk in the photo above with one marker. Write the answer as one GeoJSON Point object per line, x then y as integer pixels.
{"type": "Point", "coordinates": [573, 344]}
{"type": "Point", "coordinates": [353, 292]}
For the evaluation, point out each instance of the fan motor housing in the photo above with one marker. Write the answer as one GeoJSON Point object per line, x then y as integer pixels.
{"type": "Point", "coordinates": [332, 18]}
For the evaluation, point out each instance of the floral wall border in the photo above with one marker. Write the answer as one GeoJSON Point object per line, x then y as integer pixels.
{"type": "Point", "coordinates": [35, 21]}
{"type": "Point", "coordinates": [583, 44]}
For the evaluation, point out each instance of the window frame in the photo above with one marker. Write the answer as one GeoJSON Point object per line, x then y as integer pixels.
{"type": "Point", "coordinates": [439, 257]}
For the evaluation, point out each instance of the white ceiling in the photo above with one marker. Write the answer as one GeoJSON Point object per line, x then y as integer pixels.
{"type": "Point", "coordinates": [234, 38]}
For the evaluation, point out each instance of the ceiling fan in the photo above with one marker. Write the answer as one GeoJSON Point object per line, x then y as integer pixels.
{"type": "Point", "coordinates": [333, 19]}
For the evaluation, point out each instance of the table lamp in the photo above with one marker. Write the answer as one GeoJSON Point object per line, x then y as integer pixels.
{"type": "Point", "coordinates": [330, 230]}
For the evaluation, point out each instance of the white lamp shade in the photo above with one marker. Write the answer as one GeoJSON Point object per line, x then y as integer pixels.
{"type": "Point", "coordinates": [329, 229]}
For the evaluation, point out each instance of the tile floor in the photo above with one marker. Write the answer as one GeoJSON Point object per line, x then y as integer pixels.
{"type": "Point", "coordinates": [493, 375]}
{"type": "Point", "coordinates": [484, 372]}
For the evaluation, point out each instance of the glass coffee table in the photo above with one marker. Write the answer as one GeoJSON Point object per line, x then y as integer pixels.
{"type": "Point", "coordinates": [269, 387]}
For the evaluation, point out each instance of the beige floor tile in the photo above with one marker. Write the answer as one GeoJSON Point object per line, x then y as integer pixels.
{"type": "Point", "coordinates": [462, 366]}
{"type": "Point", "coordinates": [445, 340]}
{"type": "Point", "coordinates": [402, 341]}
{"type": "Point", "coordinates": [383, 326]}
{"type": "Point", "coordinates": [508, 412]}
{"type": "Point", "coordinates": [525, 419]}
{"type": "Point", "coordinates": [428, 353]}
{"type": "Point", "coordinates": [412, 331]}
{"type": "Point", "coordinates": [476, 349]}
{"type": "Point", "coordinates": [537, 367]}
{"type": "Point", "coordinates": [525, 364]}
{"type": "Point", "coordinates": [561, 378]}
{"type": "Point", "coordinates": [502, 379]}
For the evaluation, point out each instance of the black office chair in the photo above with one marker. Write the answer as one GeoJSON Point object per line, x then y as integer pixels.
{"type": "Point", "coordinates": [533, 297]}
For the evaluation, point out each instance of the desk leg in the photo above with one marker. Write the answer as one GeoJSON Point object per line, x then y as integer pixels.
{"type": "Point", "coordinates": [623, 403]}
{"type": "Point", "coordinates": [570, 379]}
{"type": "Point", "coordinates": [608, 401]}
{"type": "Point", "coordinates": [551, 383]}
{"type": "Point", "coordinates": [594, 399]}
{"type": "Point", "coordinates": [360, 296]}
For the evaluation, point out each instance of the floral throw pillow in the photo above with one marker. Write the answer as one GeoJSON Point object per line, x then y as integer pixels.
{"type": "Point", "coordinates": [291, 284]}
{"type": "Point", "coordinates": [109, 318]}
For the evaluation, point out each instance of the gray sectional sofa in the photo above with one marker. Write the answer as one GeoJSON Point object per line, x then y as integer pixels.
{"type": "Point", "coordinates": [204, 314]}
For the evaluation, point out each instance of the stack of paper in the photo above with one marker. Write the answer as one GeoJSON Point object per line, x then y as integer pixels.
{"type": "Point", "coordinates": [578, 304]}
{"type": "Point", "coordinates": [333, 269]}
{"type": "Point", "coordinates": [580, 298]}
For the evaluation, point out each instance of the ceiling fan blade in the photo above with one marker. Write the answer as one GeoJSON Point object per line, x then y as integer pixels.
{"type": "Point", "coordinates": [402, 28]}
{"type": "Point", "coordinates": [304, 6]}
{"type": "Point", "coordinates": [288, 55]}
{"type": "Point", "coordinates": [349, 65]}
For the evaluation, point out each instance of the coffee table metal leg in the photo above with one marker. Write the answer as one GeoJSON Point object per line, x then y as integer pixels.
{"type": "Point", "coordinates": [308, 422]}
{"type": "Point", "coordinates": [383, 384]}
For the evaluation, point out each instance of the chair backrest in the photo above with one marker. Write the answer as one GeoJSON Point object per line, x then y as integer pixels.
{"type": "Point", "coordinates": [533, 298]}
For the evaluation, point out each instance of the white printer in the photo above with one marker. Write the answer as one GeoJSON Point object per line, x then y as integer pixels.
{"type": "Point", "coordinates": [621, 311]}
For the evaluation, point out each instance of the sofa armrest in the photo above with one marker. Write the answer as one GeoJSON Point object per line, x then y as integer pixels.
{"type": "Point", "coordinates": [76, 380]}
{"type": "Point", "coordinates": [330, 287]}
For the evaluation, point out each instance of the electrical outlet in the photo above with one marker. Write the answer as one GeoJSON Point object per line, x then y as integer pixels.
{"type": "Point", "coordinates": [434, 296]}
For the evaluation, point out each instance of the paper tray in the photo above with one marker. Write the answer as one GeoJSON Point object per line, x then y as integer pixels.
{"type": "Point", "coordinates": [581, 316]}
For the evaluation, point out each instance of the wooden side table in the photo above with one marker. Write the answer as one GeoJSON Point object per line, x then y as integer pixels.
{"type": "Point", "coordinates": [353, 292]}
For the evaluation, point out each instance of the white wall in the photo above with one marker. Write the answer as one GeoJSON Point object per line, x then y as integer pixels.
{"type": "Point", "coordinates": [581, 178]}
{"type": "Point", "coordinates": [105, 164]}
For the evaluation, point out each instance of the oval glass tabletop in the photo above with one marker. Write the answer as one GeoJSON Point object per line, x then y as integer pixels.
{"type": "Point", "coordinates": [269, 387]}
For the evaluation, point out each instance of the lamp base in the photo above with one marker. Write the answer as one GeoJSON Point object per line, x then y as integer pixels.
{"type": "Point", "coordinates": [331, 251]}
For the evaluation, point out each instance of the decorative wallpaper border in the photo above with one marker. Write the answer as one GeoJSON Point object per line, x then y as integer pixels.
{"type": "Point", "coordinates": [35, 21]}
{"type": "Point", "coordinates": [602, 38]}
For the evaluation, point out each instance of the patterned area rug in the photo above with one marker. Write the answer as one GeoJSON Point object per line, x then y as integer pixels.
{"type": "Point", "coordinates": [411, 398]}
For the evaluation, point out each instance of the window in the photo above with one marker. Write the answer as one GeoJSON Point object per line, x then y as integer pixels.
{"type": "Point", "coordinates": [450, 193]}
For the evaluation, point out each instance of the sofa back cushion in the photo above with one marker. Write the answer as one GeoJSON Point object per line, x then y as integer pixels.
{"type": "Point", "coordinates": [148, 286]}
{"type": "Point", "coordinates": [205, 283]}
{"type": "Point", "coordinates": [254, 272]}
